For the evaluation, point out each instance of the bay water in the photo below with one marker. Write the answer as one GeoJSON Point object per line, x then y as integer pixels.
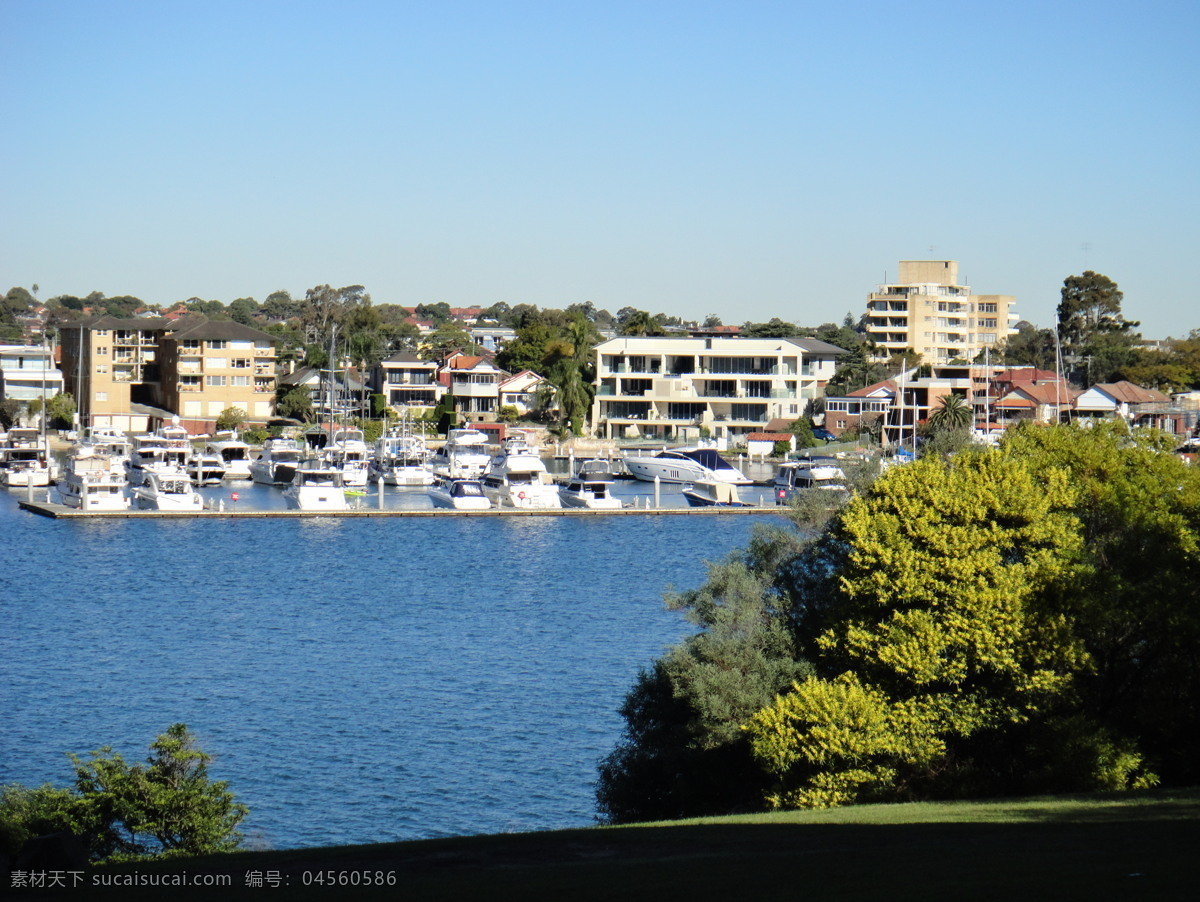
{"type": "Point", "coordinates": [356, 680]}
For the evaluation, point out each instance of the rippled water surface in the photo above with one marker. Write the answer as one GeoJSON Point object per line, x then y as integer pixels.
{"type": "Point", "coordinates": [356, 680]}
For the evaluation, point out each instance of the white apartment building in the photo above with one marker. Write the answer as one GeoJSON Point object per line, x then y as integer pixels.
{"type": "Point", "coordinates": [927, 310]}
{"type": "Point", "coordinates": [28, 372]}
{"type": "Point", "coordinates": [668, 388]}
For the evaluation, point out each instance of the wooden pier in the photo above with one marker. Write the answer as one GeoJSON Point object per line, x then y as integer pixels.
{"type": "Point", "coordinates": [62, 512]}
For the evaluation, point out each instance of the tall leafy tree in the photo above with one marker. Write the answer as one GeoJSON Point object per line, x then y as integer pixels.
{"type": "Point", "coordinates": [1096, 339]}
{"type": "Point", "coordinates": [1031, 346]}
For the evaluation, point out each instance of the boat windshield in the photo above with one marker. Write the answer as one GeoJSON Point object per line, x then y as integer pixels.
{"type": "Point", "coordinates": [467, 490]}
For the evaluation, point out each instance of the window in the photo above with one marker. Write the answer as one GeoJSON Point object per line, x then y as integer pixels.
{"type": "Point", "coordinates": [190, 344]}
{"type": "Point", "coordinates": [101, 369]}
{"type": "Point", "coordinates": [101, 396]}
{"type": "Point", "coordinates": [215, 381]}
{"type": "Point", "coordinates": [240, 363]}
{"type": "Point", "coordinates": [239, 380]}
{"type": "Point", "coordinates": [217, 345]}
{"type": "Point", "coordinates": [216, 363]}
{"type": "Point", "coordinates": [102, 352]}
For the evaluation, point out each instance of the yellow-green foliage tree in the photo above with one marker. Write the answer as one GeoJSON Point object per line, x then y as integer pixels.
{"type": "Point", "coordinates": [943, 629]}
{"type": "Point", "coordinates": [1005, 621]}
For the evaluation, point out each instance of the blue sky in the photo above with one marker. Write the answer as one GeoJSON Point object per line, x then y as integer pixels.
{"type": "Point", "coordinates": [748, 159]}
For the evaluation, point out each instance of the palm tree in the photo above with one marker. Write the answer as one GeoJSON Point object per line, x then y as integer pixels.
{"type": "Point", "coordinates": [953, 414]}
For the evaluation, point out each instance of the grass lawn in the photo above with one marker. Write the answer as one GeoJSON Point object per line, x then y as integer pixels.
{"type": "Point", "coordinates": [1126, 846]}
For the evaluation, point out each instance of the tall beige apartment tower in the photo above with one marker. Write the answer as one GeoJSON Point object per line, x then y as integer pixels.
{"type": "Point", "coordinates": [927, 310]}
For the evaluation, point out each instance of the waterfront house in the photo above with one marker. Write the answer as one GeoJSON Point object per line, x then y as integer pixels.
{"type": "Point", "coordinates": [475, 384]}
{"type": "Point", "coordinates": [870, 404]}
{"type": "Point", "coordinates": [408, 382]}
{"type": "Point", "coordinates": [1136, 405]}
{"type": "Point", "coordinates": [520, 391]}
{"type": "Point", "coordinates": [28, 372]}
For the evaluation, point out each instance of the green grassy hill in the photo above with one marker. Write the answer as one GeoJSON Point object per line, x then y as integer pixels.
{"type": "Point", "coordinates": [1127, 846]}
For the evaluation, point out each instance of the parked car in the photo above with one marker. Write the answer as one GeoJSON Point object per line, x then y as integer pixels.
{"type": "Point", "coordinates": [824, 435]}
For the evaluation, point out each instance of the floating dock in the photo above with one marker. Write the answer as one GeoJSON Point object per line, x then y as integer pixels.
{"type": "Point", "coordinates": [62, 512]}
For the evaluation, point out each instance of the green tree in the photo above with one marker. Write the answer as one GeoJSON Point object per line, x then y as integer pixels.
{"type": "Point", "coordinates": [1031, 346]}
{"type": "Point", "coordinates": [242, 311]}
{"type": "Point", "coordinates": [1096, 339]}
{"type": "Point", "coordinates": [775, 328]}
{"type": "Point", "coordinates": [953, 414]}
{"type": "Point", "coordinates": [631, 321]}
{"type": "Point", "coordinates": [942, 633]}
{"type": "Point", "coordinates": [61, 410]}
{"type": "Point", "coordinates": [684, 752]}
{"type": "Point", "coordinates": [1139, 510]}
{"type": "Point", "coordinates": [802, 428]}
{"type": "Point", "coordinates": [230, 418]}
{"type": "Point", "coordinates": [446, 339]}
{"type": "Point", "coordinates": [166, 807]}
{"type": "Point", "coordinates": [26, 813]}
{"type": "Point", "coordinates": [294, 401]}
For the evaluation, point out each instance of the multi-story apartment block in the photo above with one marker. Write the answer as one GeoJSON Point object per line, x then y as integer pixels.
{"type": "Point", "coordinates": [667, 388]}
{"type": "Point", "coordinates": [191, 367]}
{"type": "Point", "coordinates": [928, 311]}
{"type": "Point", "coordinates": [210, 365]}
{"type": "Point", "coordinates": [110, 363]}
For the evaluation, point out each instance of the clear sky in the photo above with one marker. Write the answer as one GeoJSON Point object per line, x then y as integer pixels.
{"type": "Point", "coordinates": [748, 159]}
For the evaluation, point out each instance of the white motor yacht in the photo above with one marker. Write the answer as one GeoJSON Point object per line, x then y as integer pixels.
{"type": "Point", "coordinates": [349, 454]}
{"type": "Point", "coordinates": [205, 468]}
{"type": "Point", "coordinates": [591, 487]}
{"type": "Point", "coordinates": [400, 459]}
{"type": "Point", "coordinates": [686, 465]}
{"type": "Point", "coordinates": [820, 473]}
{"type": "Point", "coordinates": [92, 481]}
{"type": "Point", "coordinates": [316, 486]}
{"type": "Point", "coordinates": [166, 450]}
{"type": "Point", "coordinates": [104, 440]}
{"type": "Point", "coordinates": [24, 458]}
{"type": "Point", "coordinates": [516, 477]}
{"type": "Point", "coordinates": [277, 463]}
{"type": "Point", "coordinates": [463, 456]}
{"type": "Point", "coordinates": [165, 490]}
{"type": "Point", "coordinates": [459, 494]}
{"type": "Point", "coordinates": [234, 453]}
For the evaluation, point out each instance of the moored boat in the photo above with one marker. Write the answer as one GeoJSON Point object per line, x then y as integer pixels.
{"type": "Point", "coordinates": [712, 493]}
{"type": "Point", "coordinates": [459, 494]}
{"type": "Point", "coordinates": [205, 468]}
{"type": "Point", "coordinates": [685, 465]}
{"type": "Point", "coordinates": [516, 477]}
{"type": "Point", "coordinates": [591, 487]}
{"type": "Point", "coordinates": [165, 490]}
{"type": "Point", "coordinates": [463, 456]}
{"type": "Point", "coordinates": [234, 453]}
{"type": "Point", "coordinates": [316, 486]}
{"type": "Point", "coordinates": [92, 481]}
{"type": "Point", "coordinates": [24, 458]}
{"type": "Point", "coordinates": [277, 463]}
{"type": "Point", "coordinates": [820, 473]}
